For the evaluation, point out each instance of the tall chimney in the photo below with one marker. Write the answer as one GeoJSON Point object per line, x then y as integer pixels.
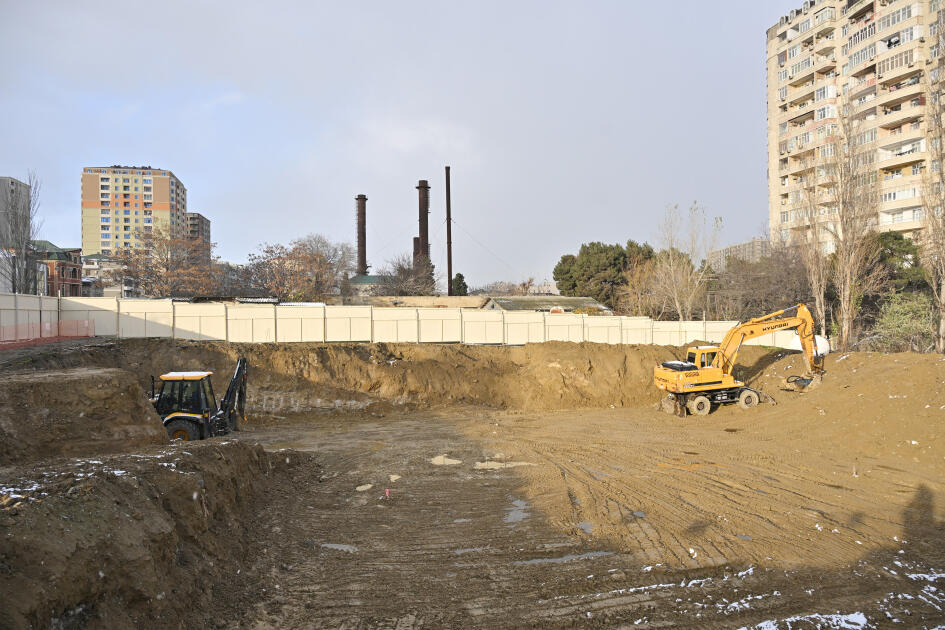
{"type": "Point", "coordinates": [416, 250]}
{"type": "Point", "coordinates": [424, 188]}
{"type": "Point", "coordinates": [449, 238]}
{"type": "Point", "coordinates": [362, 234]}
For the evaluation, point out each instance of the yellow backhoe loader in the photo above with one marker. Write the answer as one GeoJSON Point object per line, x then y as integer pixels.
{"type": "Point", "coordinates": [705, 378]}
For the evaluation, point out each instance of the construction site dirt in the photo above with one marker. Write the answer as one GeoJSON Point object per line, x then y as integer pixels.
{"type": "Point", "coordinates": [408, 486]}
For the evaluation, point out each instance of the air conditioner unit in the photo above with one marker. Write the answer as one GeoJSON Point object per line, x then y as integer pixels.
{"type": "Point", "coordinates": [911, 64]}
{"type": "Point", "coordinates": [790, 76]}
{"type": "Point", "coordinates": [922, 39]}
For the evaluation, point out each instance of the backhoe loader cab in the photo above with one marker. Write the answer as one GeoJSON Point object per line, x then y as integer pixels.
{"type": "Point", "coordinates": [188, 407]}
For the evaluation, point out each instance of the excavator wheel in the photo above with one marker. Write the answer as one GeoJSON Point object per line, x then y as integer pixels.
{"type": "Point", "coordinates": [699, 406]}
{"type": "Point", "coordinates": [747, 399]}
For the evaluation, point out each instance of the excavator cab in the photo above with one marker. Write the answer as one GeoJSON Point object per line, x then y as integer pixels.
{"type": "Point", "coordinates": [188, 407]}
{"type": "Point", "coordinates": [702, 356]}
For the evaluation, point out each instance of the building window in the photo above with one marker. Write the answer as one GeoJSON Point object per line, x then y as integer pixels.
{"type": "Point", "coordinates": [106, 203]}
{"type": "Point", "coordinates": [106, 220]}
{"type": "Point", "coordinates": [148, 220]}
{"type": "Point", "coordinates": [147, 204]}
{"type": "Point", "coordinates": [106, 235]}
{"type": "Point", "coordinates": [126, 204]}
{"type": "Point", "coordinates": [147, 181]}
{"type": "Point", "coordinates": [127, 211]}
{"type": "Point", "coordinates": [106, 211]}
{"type": "Point", "coordinates": [106, 228]}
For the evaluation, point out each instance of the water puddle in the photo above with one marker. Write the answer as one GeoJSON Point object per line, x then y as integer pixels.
{"type": "Point", "coordinates": [639, 514]}
{"type": "Point", "coordinates": [460, 552]}
{"type": "Point", "coordinates": [743, 537]}
{"type": "Point", "coordinates": [585, 527]}
{"type": "Point", "coordinates": [590, 555]}
{"type": "Point", "coordinates": [338, 547]}
{"type": "Point", "coordinates": [462, 520]}
{"type": "Point", "coordinates": [518, 512]}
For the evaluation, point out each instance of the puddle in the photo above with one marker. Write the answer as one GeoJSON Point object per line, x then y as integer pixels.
{"type": "Point", "coordinates": [460, 552]}
{"type": "Point", "coordinates": [568, 558]}
{"type": "Point", "coordinates": [639, 514]}
{"type": "Point", "coordinates": [443, 460]}
{"type": "Point", "coordinates": [596, 474]}
{"type": "Point", "coordinates": [337, 547]}
{"type": "Point", "coordinates": [518, 511]}
{"type": "Point", "coordinates": [462, 520]}
{"type": "Point", "coordinates": [743, 536]}
{"type": "Point", "coordinates": [585, 527]}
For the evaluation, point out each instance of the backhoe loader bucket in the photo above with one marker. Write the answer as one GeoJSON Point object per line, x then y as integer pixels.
{"type": "Point", "coordinates": [802, 383]}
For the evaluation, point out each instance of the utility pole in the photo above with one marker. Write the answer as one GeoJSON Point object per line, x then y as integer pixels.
{"type": "Point", "coordinates": [449, 238]}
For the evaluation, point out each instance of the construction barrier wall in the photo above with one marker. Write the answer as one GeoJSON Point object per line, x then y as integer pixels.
{"type": "Point", "coordinates": [29, 317]}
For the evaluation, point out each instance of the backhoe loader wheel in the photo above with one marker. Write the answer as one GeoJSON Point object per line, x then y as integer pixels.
{"type": "Point", "coordinates": [747, 399]}
{"type": "Point", "coordinates": [699, 406]}
{"type": "Point", "coordinates": [183, 430]}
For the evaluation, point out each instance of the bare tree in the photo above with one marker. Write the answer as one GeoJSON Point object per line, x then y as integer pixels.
{"type": "Point", "coordinates": [680, 274]}
{"type": "Point", "coordinates": [19, 224]}
{"type": "Point", "coordinates": [852, 194]}
{"type": "Point", "coordinates": [402, 277]}
{"type": "Point", "coordinates": [525, 287]}
{"type": "Point", "coordinates": [932, 238]}
{"type": "Point", "coordinates": [168, 267]}
{"type": "Point", "coordinates": [812, 242]}
{"type": "Point", "coordinates": [308, 268]}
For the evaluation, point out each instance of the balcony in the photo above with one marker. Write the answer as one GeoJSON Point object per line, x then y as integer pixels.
{"type": "Point", "coordinates": [856, 9]}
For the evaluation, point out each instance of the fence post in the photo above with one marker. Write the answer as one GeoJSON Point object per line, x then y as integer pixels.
{"type": "Point", "coordinates": [372, 324]}
{"type": "Point", "coordinates": [173, 320]}
{"type": "Point", "coordinates": [505, 340]}
{"type": "Point", "coordinates": [16, 317]}
{"type": "Point", "coordinates": [325, 323]}
{"type": "Point", "coordinates": [544, 327]}
{"type": "Point", "coordinates": [275, 324]}
{"type": "Point", "coordinates": [226, 322]}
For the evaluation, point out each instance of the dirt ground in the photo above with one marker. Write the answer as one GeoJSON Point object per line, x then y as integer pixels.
{"type": "Point", "coordinates": [548, 493]}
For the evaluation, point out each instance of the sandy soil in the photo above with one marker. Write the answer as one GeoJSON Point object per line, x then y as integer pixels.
{"type": "Point", "coordinates": [537, 511]}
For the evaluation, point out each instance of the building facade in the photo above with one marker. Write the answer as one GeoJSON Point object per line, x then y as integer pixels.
{"type": "Point", "coordinates": [751, 251]}
{"type": "Point", "coordinates": [872, 57]}
{"type": "Point", "coordinates": [64, 266]}
{"type": "Point", "coordinates": [123, 206]}
{"type": "Point", "coordinates": [198, 227]}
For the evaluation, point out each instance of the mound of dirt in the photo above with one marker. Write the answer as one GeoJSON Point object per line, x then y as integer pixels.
{"type": "Point", "coordinates": [144, 540]}
{"type": "Point", "coordinates": [74, 412]}
{"type": "Point", "coordinates": [298, 378]}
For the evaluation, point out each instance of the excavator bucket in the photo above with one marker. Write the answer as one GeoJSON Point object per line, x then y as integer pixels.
{"type": "Point", "coordinates": [802, 383]}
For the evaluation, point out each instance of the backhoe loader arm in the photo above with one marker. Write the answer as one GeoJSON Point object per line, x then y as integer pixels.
{"type": "Point", "coordinates": [779, 320]}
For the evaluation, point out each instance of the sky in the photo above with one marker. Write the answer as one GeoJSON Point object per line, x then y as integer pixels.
{"type": "Point", "coordinates": [562, 122]}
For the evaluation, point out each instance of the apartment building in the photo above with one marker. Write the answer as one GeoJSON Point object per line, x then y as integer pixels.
{"type": "Point", "coordinates": [873, 56]}
{"type": "Point", "coordinates": [750, 251]}
{"type": "Point", "coordinates": [122, 206]}
{"type": "Point", "coordinates": [198, 227]}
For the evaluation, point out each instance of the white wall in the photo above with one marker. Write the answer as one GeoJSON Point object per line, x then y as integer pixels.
{"type": "Point", "coordinates": [29, 317]}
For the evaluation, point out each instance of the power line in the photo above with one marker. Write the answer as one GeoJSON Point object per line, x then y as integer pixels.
{"type": "Point", "coordinates": [482, 245]}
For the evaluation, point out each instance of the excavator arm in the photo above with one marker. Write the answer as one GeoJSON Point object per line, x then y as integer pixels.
{"type": "Point", "coordinates": [798, 317]}
{"type": "Point", "coordinates": [233, 403]}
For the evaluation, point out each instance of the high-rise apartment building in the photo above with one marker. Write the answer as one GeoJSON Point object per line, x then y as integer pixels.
{"type": "Point", "coordinates": [122, 206]}
{"type": "Point", "coordinates": [872, 57]}
{"type": "Point", "coordinates": [198, 227]}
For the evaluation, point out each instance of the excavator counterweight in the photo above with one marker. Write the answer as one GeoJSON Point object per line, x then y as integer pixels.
{"type": "Point", "coordinates": [705, 378]}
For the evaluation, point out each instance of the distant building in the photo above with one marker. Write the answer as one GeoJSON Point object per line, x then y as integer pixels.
{"type": "Point", "coordinates": [752, 251]}
{"type": "Point", "coordinates": [364, 285]}
{"type": "Point", "coordinates": [98, 278]}
{"type": "Point", "coordinates": [123, 205]}
{"type": "Point", "coordinates": [547, 304]}
{"type": "Point", "coordinates": [64, 268]}
{"type": "Point", "coordinates": [545, 288]}
{"type": "Point", "coordinates": [198, 227]}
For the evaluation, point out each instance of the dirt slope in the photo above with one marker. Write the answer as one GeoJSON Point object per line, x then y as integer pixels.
{"type": "Point", "coordinates": [82, 411]}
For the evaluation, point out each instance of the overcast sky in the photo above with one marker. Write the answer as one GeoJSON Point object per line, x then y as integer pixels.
{"type": "Point", "coordinates": [563, 122]}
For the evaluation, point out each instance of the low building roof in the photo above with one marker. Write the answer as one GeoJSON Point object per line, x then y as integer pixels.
{"type": "Point", "coordinates": [365, 279]}
{"type": "Point", "coordinates": [546, 303]}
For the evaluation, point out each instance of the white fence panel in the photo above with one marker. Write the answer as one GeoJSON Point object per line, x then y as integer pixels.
{"type": "Point", "coordinates": [524, 327]}
{"type": "Point", "coordinates": [300, 323]}
{"type": "Point", "coordinates": [603, 329]}
{"type": "Point", "coordinates": [482, 327]}
{"type": "Point", "coordinates": [49, 315]}
{"type": "Point", "coordinates": [347, 323]}
{"type": "Point", "coordinates": [250, 323]}
{"type": "Point", "coordinates": [440, 325]}
{"type": "Point", "coordinates": [392, 324]}
{"type": "Point", "coordinates": [200, 321]}
{"type": "Point", "coordinates": [636, 330]}
{"type": "Point", "coordinates": [145, 318]}
{"type": "Point", "coordinates": [102, 312]}
{"type": "Point", "coordinates": [564, 327]}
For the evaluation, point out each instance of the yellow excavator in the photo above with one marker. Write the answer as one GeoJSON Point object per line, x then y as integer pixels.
{"type": "Point", "coordinates": [705, 378]}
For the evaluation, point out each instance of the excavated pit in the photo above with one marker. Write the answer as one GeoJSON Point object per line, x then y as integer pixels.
{"type": "Point", "coordinates": [418, 486]}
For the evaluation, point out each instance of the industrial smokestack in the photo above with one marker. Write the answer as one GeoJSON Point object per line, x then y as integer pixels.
{"type": "Point", "coordinates": [424, 188]}
{"type": "Point", "coordinates": [449, 238]}
{"type": "Point", "coordinates": [362, 234]}
{"type": "Point", "coordinates": [416, 250]}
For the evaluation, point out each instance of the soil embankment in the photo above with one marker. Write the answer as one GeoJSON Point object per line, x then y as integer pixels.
{"type": "Point", "coordinates": [74, 412]}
